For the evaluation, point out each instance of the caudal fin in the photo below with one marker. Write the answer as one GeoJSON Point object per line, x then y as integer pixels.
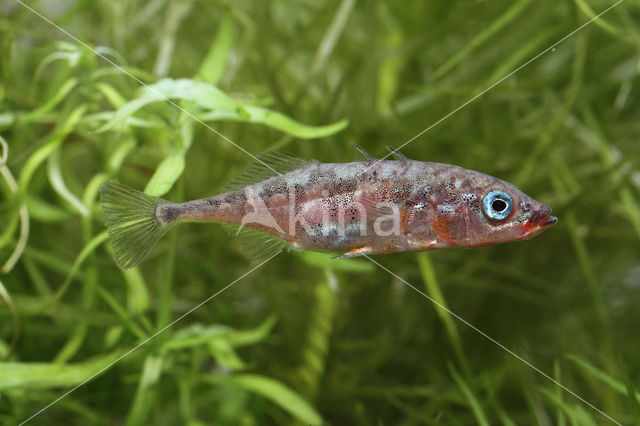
{"type": "Point", "coordinates": [132, 222]}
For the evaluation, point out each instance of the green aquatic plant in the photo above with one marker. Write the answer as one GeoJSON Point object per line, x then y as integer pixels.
{"type": "Point", "coordinates": [170, 97]}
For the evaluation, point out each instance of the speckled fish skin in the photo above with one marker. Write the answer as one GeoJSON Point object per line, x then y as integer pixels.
{"type": "Point", "coordinates": [439, 205]}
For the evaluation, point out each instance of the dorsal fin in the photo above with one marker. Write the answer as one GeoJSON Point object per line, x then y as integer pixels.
{"type": "Point", "coordinates": [361, 150]}
{"type": "Point", "coordinates": [270, 164]}
{"type": "Point", "coordinates": [397, 154]}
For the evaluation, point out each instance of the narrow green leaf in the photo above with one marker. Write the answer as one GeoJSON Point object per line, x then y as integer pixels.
{"type": "Point", "coordinates": [5, 296]}
{"type": "Point", "coordinates": [586, 265]}
{"type": "Point", "coordinates": [36, 276]}
{"type": "Point", "coordinates": [141, 403]}
{"type": "Point", "coordinates": [256, 114]}
{"type": "Point", "coordinates": [202, 94]}
{"type": "Point", "coordinates": [389, 70]}
{"type": "Point", "coordinates": [167, 173]}
{"type": "Point", "coordinates": [6, 41]}
{"type": "Point", "coordinates": [217, 105]}
{"type": "Point", "coordinates": [250, 337]}
{"type": "Point", "coordinates": [42, 211]}
{"type": "Point", "coordinates": [613, 383]}
{"type": "Point", "coordinates": [575, 413]}
{"type": "Point", "coordinates": [37, 375]}
{"type": "Point", "coordinates": [58, 184]}
{"type": "Point", "coordinates": [224, 353]}
{"type": "Point", "coordinates": [197, 334]}
{"type": "Point", "coordinates": [121, 312]}
{"type": "Point", "coordinates": [113, 96]}
{"type": "Point", "coordinates": [316, 341]}
{"type": "Point", "coordinates": [215, 62]}
{"type": "Point", "coordinates": [7, 119]}
{"type": "Point", "coordinates": [49, 259]}
{"type": "Point", "coordinates": [67, 51]}
{"type": "Point", "coordinates": [58, 97]}
{"type": "Point", "coordinates": [600, 21]}
{"type": "Point", "coordinates": [86, 251]}
{"type": "Point", "coordinates": [583, 418]}
{"type": "Point", "coordinates": [186, 131]}
{"type": "Point", "coordinates": [481, 418]}
{"type": "Point", "coordinates": [48, 148]}
{"type": "Point", "coordinates": [137, 292]}
{"type": "Point", "coordinates": [428, 274]}
{"type": "Point", "coordinates": [560, 418]}
{"type": "Point", "coordinates": [633, 399]}
{"type": "Point", "coordinates": [194, 335]}
{"type": "Point", "coordinates": [113, 335]}
{"type": "Point", "coordinates": [508, 16]}
{"type": "Point", "coordinates": [323, 260]}
{"type": "Point", "coordinates": [153, 122]}
{"type": "Point", "coordinates": [10, 226]}
{"type": "Point", "coordinates": [274, 391]}
{"type": "Point", "coordinates": [118, 156]}
{"type": "Point", "coordinates": [631, 206]}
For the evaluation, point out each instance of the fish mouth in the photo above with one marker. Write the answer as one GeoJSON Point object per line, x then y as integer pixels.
{"type": "Point", "coordinates": [542, 219]}
{"type": "Point", "coordinates": [552, 220]}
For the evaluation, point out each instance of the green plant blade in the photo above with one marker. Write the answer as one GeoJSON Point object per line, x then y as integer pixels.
{"type": "Point", "coordinates": [36, 375]}
{"type": "Point", "coordinates": [274, 391]}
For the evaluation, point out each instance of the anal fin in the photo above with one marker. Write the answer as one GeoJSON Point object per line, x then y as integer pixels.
{"type": "Point", "coordinates": [256, 245]}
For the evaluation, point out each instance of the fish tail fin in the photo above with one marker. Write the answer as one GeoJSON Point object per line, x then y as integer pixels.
{"type": "Point", "coordinates": [132, 221]}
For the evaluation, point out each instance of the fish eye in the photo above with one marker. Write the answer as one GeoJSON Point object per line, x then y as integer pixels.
{"type": "Point", "coordinates": [497, 205]}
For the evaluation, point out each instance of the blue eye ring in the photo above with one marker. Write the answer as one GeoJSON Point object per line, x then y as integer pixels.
{"type": "Point", "coordinates": [497, 205]}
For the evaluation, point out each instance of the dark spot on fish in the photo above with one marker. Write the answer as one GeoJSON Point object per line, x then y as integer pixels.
{"type": "Point", "coordinates": [400, 192]}
{"type": "Point", "coordinates": [276, 188]}
{"type": "Point", "coordinates": [341, 186]}
{"type": "Point", "coordinates": [349, 185]}
{"type": "Point", "coordinates": [170, 213]}
{"type": "Point", "coordinates": [298, 191]}
{"type": "Point", "coordinates": [423, 194]}
{"type": "Point", "coordinates": [236, 197]}
{"type": "Point", "coordinates": [321, 176]}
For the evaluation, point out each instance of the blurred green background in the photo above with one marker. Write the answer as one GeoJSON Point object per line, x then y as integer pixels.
{"type": "Point", "coordinates": [304, 339]}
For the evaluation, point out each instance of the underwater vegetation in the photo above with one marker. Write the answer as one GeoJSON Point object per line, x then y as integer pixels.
{"type": "Point", "coordinates": [175, 98]}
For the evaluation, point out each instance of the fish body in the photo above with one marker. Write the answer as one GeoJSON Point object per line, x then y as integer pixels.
{"type": "Point", "coordinates": [357, 208]}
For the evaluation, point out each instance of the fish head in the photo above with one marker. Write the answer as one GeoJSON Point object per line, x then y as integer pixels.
{"type": "Point", "coordinates": [490, 211]}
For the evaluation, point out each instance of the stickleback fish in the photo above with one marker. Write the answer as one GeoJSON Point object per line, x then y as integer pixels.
{"type": "Point", "coordinates": [358, 208]}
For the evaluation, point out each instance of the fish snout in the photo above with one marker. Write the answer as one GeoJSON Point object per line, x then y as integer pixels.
{"type": "Point", "coordinates": [542, 218]}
